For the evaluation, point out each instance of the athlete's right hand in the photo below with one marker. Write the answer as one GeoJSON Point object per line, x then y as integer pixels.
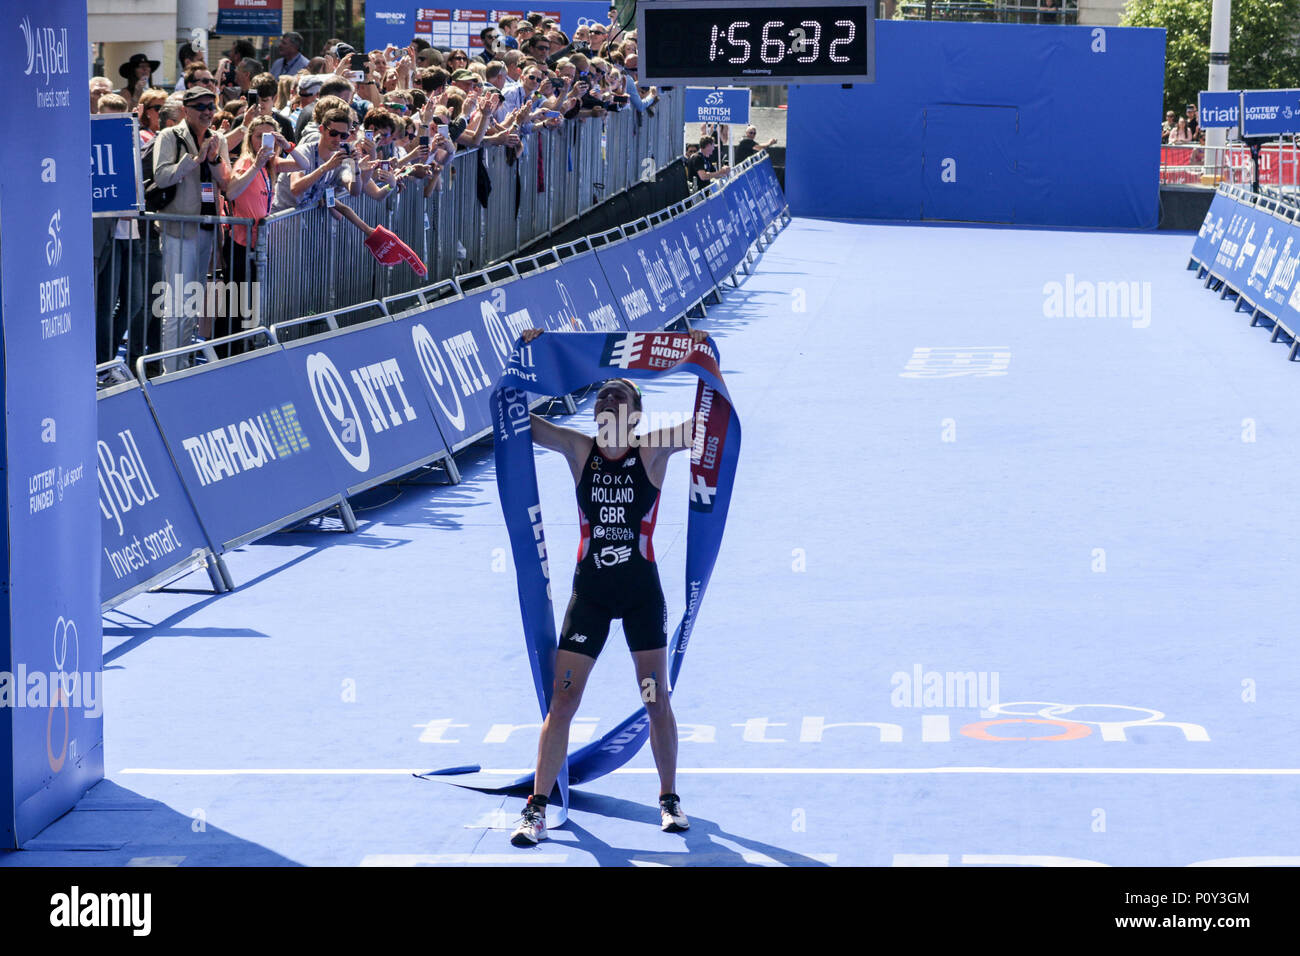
{"type": "Point", "coordinates": [530, 334]}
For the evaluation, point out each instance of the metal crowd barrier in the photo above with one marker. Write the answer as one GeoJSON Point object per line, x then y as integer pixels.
{"type": "Point", "coordinates": [132, 292]}
{"type": "Point", "coordinates": [307, 261]}
{"type": "Point", "coordinates": [1196, 164]}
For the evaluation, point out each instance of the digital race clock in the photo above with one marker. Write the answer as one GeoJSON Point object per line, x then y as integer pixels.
{"type": "Point", "coordinates": [756, 41]}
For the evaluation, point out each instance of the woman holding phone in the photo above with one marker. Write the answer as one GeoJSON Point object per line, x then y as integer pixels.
{"type": "Point", "coordinates": [248, 196]}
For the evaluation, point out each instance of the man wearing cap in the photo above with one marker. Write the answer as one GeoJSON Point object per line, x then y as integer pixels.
{"type": "Point", "coordinates": [309, 85]}
{"type": "Point", "coordinates": [291, 59]}
{"type": "Point", "coordinates": [189, 157]}
{"type": "Point", "coordinates": [465, 80]}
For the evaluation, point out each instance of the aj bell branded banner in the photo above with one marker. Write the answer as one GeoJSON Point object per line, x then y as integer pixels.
{"type": "Point", "coordinates": [1254, 253]}
{"type": "Point", "coordinates": [149, 526]}
{"type": "Point", "coordinates": [51, 729]}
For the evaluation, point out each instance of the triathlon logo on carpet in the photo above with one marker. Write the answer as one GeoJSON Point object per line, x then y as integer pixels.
{"type": "Point", "coordinates": [981, 361]}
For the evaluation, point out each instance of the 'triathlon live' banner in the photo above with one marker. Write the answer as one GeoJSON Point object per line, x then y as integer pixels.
{"type": "Point", "coordinates": [51, 728]}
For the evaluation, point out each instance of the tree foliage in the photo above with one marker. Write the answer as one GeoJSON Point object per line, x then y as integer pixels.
{"type": "Point", "coordinates": [1262, 47]}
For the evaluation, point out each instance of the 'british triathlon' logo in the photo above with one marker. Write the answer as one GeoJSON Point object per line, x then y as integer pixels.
{"type": "Point", "coordinates": [54, 248]}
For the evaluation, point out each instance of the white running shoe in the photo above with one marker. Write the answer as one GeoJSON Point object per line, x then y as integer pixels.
{"type": "Point", "coordinates": [532, 828]}
{"type": "Point", "coordinates": [670, 810]}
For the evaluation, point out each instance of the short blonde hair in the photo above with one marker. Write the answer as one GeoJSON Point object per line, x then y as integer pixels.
{"type": "Point", "coordinates": [112, 103]}
{"type": "Point", "coordinates": [152, 97]}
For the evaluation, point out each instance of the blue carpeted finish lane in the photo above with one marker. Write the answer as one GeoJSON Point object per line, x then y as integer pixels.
{"type": "Point", "coordinates": [1101, 533]}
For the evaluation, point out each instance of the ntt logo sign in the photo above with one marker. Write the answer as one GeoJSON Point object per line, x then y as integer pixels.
{"type": "Point", "coordinates": [337, 411]}
{"type": "Point", "coordinates": [384, 404]}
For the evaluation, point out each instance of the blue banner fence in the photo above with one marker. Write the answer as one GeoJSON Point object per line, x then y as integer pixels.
{"type": "Point", "coordinates": [1248, 250]}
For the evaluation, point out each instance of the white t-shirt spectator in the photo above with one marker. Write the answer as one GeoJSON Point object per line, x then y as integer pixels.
{"type": "Point", "coordinates": [309, 160]}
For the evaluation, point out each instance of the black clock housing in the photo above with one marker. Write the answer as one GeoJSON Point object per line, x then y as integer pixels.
{"type": "Point", "coordinates": [756, 41]}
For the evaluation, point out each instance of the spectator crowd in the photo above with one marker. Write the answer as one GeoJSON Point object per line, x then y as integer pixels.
{"type": "Point", "coordinates": [1182, 130]}
{"type": "Point", "coordinates": [242, 140]}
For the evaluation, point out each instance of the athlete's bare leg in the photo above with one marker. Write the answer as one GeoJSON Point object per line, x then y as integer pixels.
{"type": "Point", "coordinates": [571, 672]}
{"type": "Point", "coordinates": [652, 679]}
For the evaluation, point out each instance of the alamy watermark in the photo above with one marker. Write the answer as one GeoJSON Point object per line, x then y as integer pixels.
{"type": "Point", "coordinates": [214, 299]}
{"type": "Point", "coordinates": [944, 689]}
{"type": "Point", "coordinates": [654, 429]}
{"type": "Point", "coordinates": [1084, 299]}
{"type": "Point", "coordinates": [39, 689]}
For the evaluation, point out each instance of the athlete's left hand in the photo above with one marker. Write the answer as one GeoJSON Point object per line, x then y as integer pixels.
{"type": "Point", "coordinates": [698, 336]}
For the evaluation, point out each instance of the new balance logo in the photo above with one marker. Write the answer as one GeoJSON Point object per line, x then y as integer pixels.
{"type": "Point", "coordinates": [630, 461]}
{"type": "Point", "coordinates": [579, 638]}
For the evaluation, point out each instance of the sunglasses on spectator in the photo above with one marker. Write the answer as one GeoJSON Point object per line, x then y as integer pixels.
{"type": "Point", "coordinates": [331, 131]}
{"type": "Point", "coordinates": [204, 108]}
{"type": "Point", "coordinates": [399, 107]}
{"type": "Point", "coordinates": [458, 56]}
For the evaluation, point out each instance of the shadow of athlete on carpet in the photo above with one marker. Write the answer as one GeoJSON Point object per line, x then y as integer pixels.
{"type": "Point", "coordinates": [698, 846]}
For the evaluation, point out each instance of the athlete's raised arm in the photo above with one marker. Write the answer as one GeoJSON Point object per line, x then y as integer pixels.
{"type": "Point", "coordinates": [569, 442]}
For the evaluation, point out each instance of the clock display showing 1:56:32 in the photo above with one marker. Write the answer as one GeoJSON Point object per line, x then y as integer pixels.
{"type": "Point", "coordinates": [759, 41]}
